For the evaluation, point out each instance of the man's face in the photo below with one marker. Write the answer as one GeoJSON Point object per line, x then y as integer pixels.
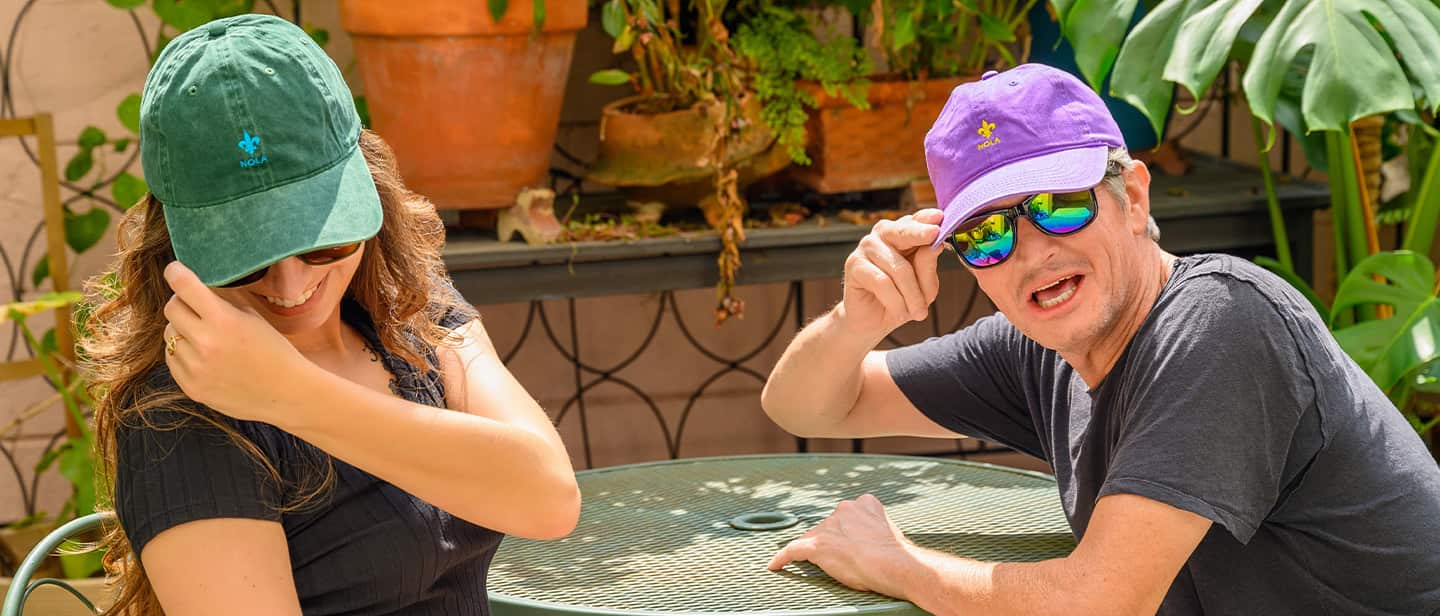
{"type": "Point", "coordinates": [1068, 292]}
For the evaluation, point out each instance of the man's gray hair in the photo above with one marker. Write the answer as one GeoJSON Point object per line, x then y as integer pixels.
{"type": "Point", "coordinates": [1119, 161]}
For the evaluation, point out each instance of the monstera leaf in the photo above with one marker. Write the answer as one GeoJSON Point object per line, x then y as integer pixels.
{"type": "Point", "coordinates": [1145, 54]}
{"type": "Point", "coordinates": [1288, 114]}
{"type": "Point", "coordinates": [1388, 349]}
{"type": "Point", "coordinates": [1095, 29]}
{"type": "Point", "coordinates": [1203, 45]}
{"type": "Point", "coordinates": [1355, 72]}
{"type": "Point", "coordinates": [1363, 53]}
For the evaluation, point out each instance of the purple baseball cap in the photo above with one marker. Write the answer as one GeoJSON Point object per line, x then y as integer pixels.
{"type": "Point", "coordinates": [1030, 129]}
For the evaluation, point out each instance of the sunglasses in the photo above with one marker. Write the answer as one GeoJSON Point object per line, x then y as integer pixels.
{"type": "Point", "coordinates": [988, 239]}
{"type": "Point", "coordinates": [322, 256]}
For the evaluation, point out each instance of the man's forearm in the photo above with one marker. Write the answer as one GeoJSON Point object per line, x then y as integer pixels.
{"type": "Point", "coordinates": [944, 584]}
{"type": "Point", "coordinates": [818, 379]}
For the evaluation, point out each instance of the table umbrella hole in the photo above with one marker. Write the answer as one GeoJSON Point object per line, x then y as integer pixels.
{"type": "Point", "coordinates": [765, 520]}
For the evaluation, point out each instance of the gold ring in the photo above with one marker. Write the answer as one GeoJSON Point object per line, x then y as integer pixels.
{"type": "Point", "coordinates": [170, 344]}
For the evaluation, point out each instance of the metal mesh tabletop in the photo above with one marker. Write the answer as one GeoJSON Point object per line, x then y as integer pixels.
{"type": "Point", "coordinates": [657, 538]}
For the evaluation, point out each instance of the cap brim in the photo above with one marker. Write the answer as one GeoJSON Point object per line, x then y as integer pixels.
{"type": "Point", "coordinates": [1063, 171]}
{"type": "Point", "coordinates": [224, 242]}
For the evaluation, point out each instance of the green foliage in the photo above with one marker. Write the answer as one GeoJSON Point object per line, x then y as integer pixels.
{"type": "Point", "coordinates": [937, 38]}
{"type": "Point", "coordinates": [82, 231]}
{"type": "Point", "coordinates": [1427, 379]}
{"type": "Point", "coordinates": [41, 271]}
{"type": "Point", "coordinates": [91, 137]}
{"type": "Point", "coordinates": [128, 190]}
{"type": "Point", "coordinates": [785, 52]}
{"type": "Point", "coordinates": [1424, 202]}
{"type": "Point", "coordinates": [610, 77]}
{"type": "Point", "coordinates": [675, 69]}
{"type": "Point", "coordinates": [79, 561]}
{"type": "Point", "coordinates": [183, 15]}
{"type": "Point", "coordinates": [321, 36]}
{"type": "Point", "coordinates": [1357, 58]}
{"type": "Point", "coordinates": [129, 113]}
{"type": "Point", "coordinates": [773, 49]}
{"type": "Point", "coordinates": [362, 108]}
{"type": "Point", "coordinates": [1389, 349]}
{"type": "Point", "coordinates": [80, 164]}
{"type": "Point", "coordinates": [497, 9]}
{"type": "Point", "coordinates": [75, 456]}
{"type": "Point", "coordinates": [1095, 29]}
{"type": "Point", "coordinates": [18, 311]}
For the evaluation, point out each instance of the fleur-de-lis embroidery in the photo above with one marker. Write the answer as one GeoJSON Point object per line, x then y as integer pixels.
{"type": "Point", "coordinates": [986, 128]}
{"type": "Point", "coordinates": [249, 143]}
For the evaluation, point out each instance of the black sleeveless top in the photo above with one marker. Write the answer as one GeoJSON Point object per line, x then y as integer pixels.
{"type": "Point", "coordinates": [362, 547]}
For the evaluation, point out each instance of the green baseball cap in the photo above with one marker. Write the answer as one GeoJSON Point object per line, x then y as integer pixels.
{"type": "Point", "coordinates": [248, 137]}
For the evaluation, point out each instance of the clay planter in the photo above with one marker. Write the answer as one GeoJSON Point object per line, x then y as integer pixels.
{"type": "Point", "coordinates": [665, 157]}
{"type": "Point", "coordinates": [883, 147]}
{"type": "Point", "coordinates": [470, 105]}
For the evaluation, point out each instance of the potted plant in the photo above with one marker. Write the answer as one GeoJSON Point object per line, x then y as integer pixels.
{"type": "Point", "coordinates": [802, 55]}
{"type": "Point", "coordinates": [926, 48]}
{"type": "Point", "coordinates": [467, 93]}
{"type": "Point", "coordinates": [1324, 71]}
{"type": "Point", "coordinates": [691, 100]}
{"type": "Point", "coordinates": [693, 132]}
{"type": "Point", "coordinates": [660, 136]}
{"type": "Point", "coordinates": [74, 458]}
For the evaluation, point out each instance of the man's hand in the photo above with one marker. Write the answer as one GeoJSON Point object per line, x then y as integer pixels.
{"type": "Point", "coordinates": [229, 359]}
{"type": "Point", "coordinates": [856, 545]}
{"type": "Point", "coordinates": [891, 276]}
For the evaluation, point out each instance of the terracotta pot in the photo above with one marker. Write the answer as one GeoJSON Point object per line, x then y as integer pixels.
{"type": "Point", "coordinates": [666, 156]}
{"type": "Point", "coordinates": [883, 147]}
{"type": "Point", "coordinates": [470, 105]}
{"type": "Point", "coordinates": [54, 601]}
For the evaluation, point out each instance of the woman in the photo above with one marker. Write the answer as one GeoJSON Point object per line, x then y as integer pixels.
{"type": "Point", "coordinates": [300, 414]}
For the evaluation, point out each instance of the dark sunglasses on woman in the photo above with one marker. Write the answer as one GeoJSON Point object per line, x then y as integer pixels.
{"type": "Point", "coordinates": [322, 256]}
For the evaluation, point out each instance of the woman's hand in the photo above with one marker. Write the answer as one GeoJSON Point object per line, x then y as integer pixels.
{"type": "Point", "coordinates": [227, 358]}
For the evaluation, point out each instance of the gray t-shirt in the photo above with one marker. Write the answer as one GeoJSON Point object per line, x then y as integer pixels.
{"type": "Point", "coordinates": [1232, 402]}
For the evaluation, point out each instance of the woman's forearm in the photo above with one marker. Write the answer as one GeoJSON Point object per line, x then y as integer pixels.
{"type": "Point", "coordinates": [498, 475]}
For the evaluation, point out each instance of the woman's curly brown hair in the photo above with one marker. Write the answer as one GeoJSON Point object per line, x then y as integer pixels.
{"type": "Point", "coordinates": [398, 283]}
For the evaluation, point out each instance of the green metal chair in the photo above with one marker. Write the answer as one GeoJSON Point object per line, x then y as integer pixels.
{"type": "Point", "coordinates": [21, 586]}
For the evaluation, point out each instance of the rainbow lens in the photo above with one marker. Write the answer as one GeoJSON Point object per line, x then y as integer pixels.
{"type": "Point", "coordinates": [1062, 213]}
{"type": "Point", "coordinates": [986, 241]}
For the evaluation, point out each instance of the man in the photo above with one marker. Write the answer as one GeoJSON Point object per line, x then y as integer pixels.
{"type": "Point", "coordinates": [1216, 451]}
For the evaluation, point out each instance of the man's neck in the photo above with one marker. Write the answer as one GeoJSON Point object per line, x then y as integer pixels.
{"type": "Point", "coordinates": [1095, 362]}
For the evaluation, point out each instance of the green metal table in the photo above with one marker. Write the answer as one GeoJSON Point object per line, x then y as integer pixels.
{"type": "Point", "coordinates": [670, 537]}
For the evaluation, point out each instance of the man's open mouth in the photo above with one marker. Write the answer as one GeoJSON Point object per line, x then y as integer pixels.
{"type": "Point", "coordinates": [1057, 292]}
